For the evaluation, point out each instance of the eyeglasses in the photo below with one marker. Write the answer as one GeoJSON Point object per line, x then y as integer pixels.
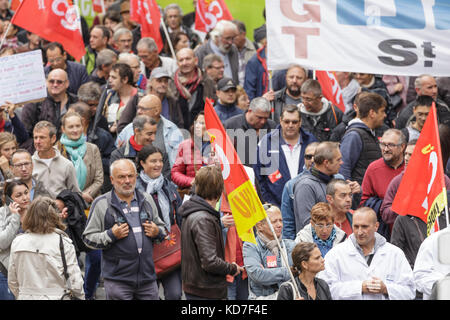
{"type": "Point", "coordinates": [218, 67]}
{"type": "Point", "coordinates": [267, 206]}
{"type": "Point", "coordinates": [322, 226]}
{"type": "Point", "coordinates": [309, 156]}
{"type": "Point", "coordinates": [294, 122]}
{"type": "Point", "coordinates": [389, 145]}
{"type": "Point", "coordinates": [57, 59]}
{"type": "Point", "coordinates": [20, 165]}
{"type": "Point", "coordinates": [58, 82]}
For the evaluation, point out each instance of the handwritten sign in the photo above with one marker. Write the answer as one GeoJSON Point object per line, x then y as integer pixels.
{"type": "Point", "coordinates": [22, 77]}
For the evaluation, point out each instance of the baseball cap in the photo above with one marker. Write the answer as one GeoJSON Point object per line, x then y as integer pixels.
{"type": "Point", "coordinates": [225, 83]}
{"type": "Point", "coordinates": [158, 73]}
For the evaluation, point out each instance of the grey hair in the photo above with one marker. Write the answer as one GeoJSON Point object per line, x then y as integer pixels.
{"type": "Point", "coordinates": [313, 86]}
{"type": "Point", "coordinates": [331, 186]}
{"type": "Point", "coordinates": [418, 81]}
{"type": "Point", "coordinates": [220, 28]}
{"type": "Point", "coordinates": [140, 121]}
{"type": "Point", "coordinates": [124, 57]}
{"type": "Point", "coordinates": [121, 31]}
{"type": "Point", "coordinates": [240, 25]}
{"type": "Point", "coordinates": [173, 6]}
{"type": "Point", "coordinates": [116, 162]}
{"type": "Point", "coordinates": [89, 91]}
{"type": "Point", "coordinates": [399, 133]}
{"type": "Point", "coordinates": [209, 59]}
{"type": "Point", "coordinates": [261, 104]}
{"type": "Point", "coordinates": [105, 57]}
{"type": "Point", "coordinates": [148, 44]}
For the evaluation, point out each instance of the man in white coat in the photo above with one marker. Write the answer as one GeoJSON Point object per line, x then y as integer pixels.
{"type": "Point", "coordinates": [427, 267]}
{"type": "Point", "coordinates": [366, 266]}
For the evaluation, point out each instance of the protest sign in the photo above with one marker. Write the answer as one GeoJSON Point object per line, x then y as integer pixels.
{"type": "Point", "coordinates": [396, 37]}
{"type": "Point", "coordinates": [22, 77]}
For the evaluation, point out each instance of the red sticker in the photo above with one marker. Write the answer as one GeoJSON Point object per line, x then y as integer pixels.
{"type": "Point", "coordinates": [271, 261]}
{"type": "Point", "coordinates": [274, 177]}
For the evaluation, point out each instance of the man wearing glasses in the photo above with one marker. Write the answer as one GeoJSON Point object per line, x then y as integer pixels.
{"type": "Point", "coordinates": [381, 172]}
{"type": "Point", "coordinates": [22, 165]}
{"type": "Point", "coordinates": [52, 108]}
{"type": "Point", "coordinates": [57, 59]}
{"type": "Point", "coordinates": [280, 155]}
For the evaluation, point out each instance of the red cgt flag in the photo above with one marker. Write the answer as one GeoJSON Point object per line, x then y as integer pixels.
{"type": "Point", "coordinates": [146, 13]}
{"type": "Point", "coordinates": [422, 191]}
{"type": "Point", "coordinates": [209, 12]}
{"type": "Point", "coordinates": [244, 202]}
{"type": "Point", "coordinates": [98, 6]}
{"type": "Point", "coordinates": [54, 21]}
{"type": "Point", "coordinates": [330, 88]}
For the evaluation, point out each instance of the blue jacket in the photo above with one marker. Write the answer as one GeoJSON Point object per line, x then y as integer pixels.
{"type": "Point", "coordinates": [271, 158]}
{"type": "Point", "coordinates": [226, 112]}
{"type": "Point", "coordinates": [254, 71]}
{"type": "Point", "coordinates": [121, 260]}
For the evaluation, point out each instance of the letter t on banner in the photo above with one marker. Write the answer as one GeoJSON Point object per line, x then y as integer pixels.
{"type": "Point", "coordinates": [245, 204]}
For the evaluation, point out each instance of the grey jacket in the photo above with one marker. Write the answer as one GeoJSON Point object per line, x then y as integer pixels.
{"type": "Point", "coordinates": [9, 228]}
{"type": "Point", "coordinates": [233, 56]}
{"type": "Point", "coordinates": [308, 190]}
{"type": "Point", "coordinates": [265, 280]}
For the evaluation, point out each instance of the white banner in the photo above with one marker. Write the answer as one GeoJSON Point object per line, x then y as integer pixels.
{"type": "Point", "coordinates": [22, 77]}
{"type": "Point", "coordinates": [395, 37]}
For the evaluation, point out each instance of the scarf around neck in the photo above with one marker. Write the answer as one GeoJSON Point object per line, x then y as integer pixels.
{"type": "Point", "coordinates": [324, 245]}
{"type": "Point", "coordinates": [76, 150]}
{"type": "Point", "coordinates": [270, 244]}
{"type": "Point", "coordinates": [135, 145]}
{"type": "Point", "coordinates": [156, 185]}
{"type": "Point", "coordinates": [187, 86]}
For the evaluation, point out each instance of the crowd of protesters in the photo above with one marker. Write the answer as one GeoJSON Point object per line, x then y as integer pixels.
{"type": "Point", "coordinates": [117, 158]}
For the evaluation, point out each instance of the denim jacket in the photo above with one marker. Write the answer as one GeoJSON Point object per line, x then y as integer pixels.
{"type": "Point", "coordinates": [264, 280]}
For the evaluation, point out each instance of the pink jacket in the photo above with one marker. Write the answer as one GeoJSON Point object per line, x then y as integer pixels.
{"type": "Point", "coordinates": [183, 169]}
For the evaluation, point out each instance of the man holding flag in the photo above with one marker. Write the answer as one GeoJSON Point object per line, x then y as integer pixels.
{"type": "Point", "coordinates": [425, 172]}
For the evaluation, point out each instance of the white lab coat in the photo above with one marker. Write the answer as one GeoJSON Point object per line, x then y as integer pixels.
{"type": "Point", "coordinates": [346, 269]}
{"type": "Point", "coordinates": [427, 268]}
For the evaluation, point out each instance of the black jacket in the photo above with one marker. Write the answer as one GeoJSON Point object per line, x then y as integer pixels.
{"type": "Point", "coordinates": [322, 290]}
{"type": "Point", "coordinates": [442, 110]}
{"type": "Point", "coordinates": [204, 268]}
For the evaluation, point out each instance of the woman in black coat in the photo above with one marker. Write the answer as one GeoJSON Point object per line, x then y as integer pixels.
{"type": "Point", "coordinates": [307, 262]}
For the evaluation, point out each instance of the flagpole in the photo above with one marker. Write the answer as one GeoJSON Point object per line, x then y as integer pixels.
{"type": "Point", "coordinates": [283, 256]}
{"type": "Point", "coordinates": [4, 36]}
{"type": "Point", "coordinates": [168, 38]}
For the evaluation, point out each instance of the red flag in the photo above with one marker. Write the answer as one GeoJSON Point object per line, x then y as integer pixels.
{"type": "Point", "coordinates": [422, 191]}
{"type": "Point", "coordinates": [54, 21]}
{"type": "Point", "coordinates": [98, 6]}
{"type": "Point", "coordinates": [15, 4]}
{"type": "Point", "coordinates": [245, 204]}
{"type": "Point", "coordinates": [146, 13]}
{"type": "Point", "coordinates": [209, 12]}
{"type": "Point", "coordinates": [330, 88]}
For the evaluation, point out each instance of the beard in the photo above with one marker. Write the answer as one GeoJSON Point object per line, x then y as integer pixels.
{"type": "Point", "coordinates": [223, 49]}
{"type": "Point", "coordinates": [295, 92]}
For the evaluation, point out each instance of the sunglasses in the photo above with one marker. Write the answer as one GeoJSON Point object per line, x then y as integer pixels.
{"type": "Point", "coordinates": [53, 81]}
{"type": "Point", "coordinates": [309, 156]}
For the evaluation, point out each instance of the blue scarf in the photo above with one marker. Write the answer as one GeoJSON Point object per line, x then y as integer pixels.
{"type": "Point", "coordinates": [77, 150]}
{"type": "Point", "coordinates": [324, 245]}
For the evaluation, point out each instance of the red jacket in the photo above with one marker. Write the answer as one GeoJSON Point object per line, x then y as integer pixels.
{"type": "Point", "coordinates": [183, 169]}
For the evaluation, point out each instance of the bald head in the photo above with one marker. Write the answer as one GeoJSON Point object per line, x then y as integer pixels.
{"type": "Point", "coordinates": [187, 61]}
{"type": "Point", "coordinates": [365, 225]}
{"type": "Point", "coordinates": [366, 213]}
{"type": "Point", "coordinates": [57, 83]}
{"type": "Point", "coordinates": [150, 105]}
{"type": "Point", "coordinates": [58, 72]}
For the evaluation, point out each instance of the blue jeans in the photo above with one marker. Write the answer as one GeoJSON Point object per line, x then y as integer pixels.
{"type": "Point", "coordinates": [117, 290]}
{"type": "Point", "coordinates": [5, 293]}
{"type": "Point", "coordinates": [238, 289]}
{"type": "Point", "coordinates": [92, 273]}
{"type": "Point", "coordinates": [172, 285]}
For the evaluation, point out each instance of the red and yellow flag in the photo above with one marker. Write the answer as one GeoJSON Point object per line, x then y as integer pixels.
{"type": "Point", "coordinates": [422, 191]}
{"type": "Point", "coordinates": [246, 207]}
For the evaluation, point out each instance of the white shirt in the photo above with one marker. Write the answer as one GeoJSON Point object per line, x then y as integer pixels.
{"type": "Point", "coordinates": [346, 269]}
{"type": "Point", "coordinates": [292, 157]}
